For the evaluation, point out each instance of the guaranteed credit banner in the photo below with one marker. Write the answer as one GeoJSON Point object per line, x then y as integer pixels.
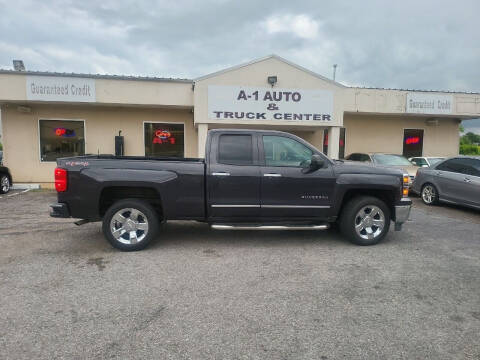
{"type": "Point", "coordinates": [59, 88]}
{"type": "Point", "coordinates": [422, 103]}
{"type": "Point", "coordinates": [269, 103]}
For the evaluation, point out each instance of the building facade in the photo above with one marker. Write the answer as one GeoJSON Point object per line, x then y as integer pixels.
{"type": "Point", "coordinates": [51, 115]}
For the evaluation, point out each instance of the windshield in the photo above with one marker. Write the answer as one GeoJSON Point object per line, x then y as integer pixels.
{"type": "Point", "coordinates": [434, 161]}
{"type": "Point", "coordinates": [392, 160]}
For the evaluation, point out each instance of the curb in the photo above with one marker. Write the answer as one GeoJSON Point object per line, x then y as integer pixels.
{"type": "Point", "coordinates": [25, 186]}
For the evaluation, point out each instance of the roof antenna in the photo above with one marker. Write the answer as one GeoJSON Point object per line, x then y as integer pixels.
{"type": "Point", "coordinates": [334, 71]}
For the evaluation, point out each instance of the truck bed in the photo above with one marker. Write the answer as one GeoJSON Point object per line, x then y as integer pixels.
{"type": "Point", "coordinates": [179, 183]}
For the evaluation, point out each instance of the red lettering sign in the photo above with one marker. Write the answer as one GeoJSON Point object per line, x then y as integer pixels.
{"type": "Point", "coordinates": [412, 140]}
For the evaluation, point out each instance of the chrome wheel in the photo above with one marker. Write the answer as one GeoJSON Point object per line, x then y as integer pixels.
{"type": "Point", "coordinates": [5, 184]}
{"type": "Point", "coordinates": [369, 222]}
{"type": "Point", "coordinates": [129, 226]}
{"type": "Point", "coordinates": [428, 194]}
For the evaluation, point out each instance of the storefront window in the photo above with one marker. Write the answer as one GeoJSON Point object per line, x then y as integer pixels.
{"type": "Point", "coordinates": [412, 142]}
{"type": "Point", "coordinates": [61, 138]}
{"type": "Point", "coordinates": [164, 140]}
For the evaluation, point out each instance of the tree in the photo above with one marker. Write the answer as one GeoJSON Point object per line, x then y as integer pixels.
{"type": "Point", "coordinates": [470, 138]}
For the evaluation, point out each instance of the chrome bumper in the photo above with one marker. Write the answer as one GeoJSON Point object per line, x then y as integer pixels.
{"type": "Point", "coordinates": [402, 212]}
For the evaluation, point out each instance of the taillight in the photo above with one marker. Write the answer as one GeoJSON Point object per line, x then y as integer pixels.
{"type": "Point", "coordinates": [60, 180]}
{"type": "Point", "coordinates": [405, 182]}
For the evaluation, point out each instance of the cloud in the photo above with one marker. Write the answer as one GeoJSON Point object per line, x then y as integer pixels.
{"type": "Point", "coordinates": [471, 126]}
{"type": "Point", "coordinates": [301, 26]}
{"type": "Point", "coordinates": [408, 44]}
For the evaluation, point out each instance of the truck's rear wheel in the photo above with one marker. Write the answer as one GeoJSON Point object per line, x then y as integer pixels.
{"type": "Point", "coordinates": [365, 220]}
{"type": "Point", "coordinates": [130, 224]}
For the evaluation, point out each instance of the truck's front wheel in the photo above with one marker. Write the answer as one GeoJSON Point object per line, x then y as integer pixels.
{"type": "Point", "coordinates": [365, 220]}
{"type": "Point", "coordinates": [130, 224]}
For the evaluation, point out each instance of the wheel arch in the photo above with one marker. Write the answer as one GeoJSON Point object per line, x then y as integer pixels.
{"type": "Point", "coordinates": [386, 195]}
{"type": "Point", "coordinates": [111, 194]}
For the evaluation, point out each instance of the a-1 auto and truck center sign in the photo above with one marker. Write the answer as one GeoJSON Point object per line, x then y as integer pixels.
{"type": "Point", "coordinates": [258, 103]}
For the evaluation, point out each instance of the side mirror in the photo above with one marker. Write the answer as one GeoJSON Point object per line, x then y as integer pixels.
{"type": "Point", "coordinates": [424, 165]}
{"type": "Point", "coordinates": [316, 162]}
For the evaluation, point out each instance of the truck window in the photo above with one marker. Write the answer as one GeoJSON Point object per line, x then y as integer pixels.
{"type": "Point", "coordinates": [235, 150]}
{"type": "Point", "coordinates": [283, 151]}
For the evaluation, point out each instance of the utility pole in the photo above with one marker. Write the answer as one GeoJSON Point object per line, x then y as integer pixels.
{"type": "Point", "coordinates": [334, 71]}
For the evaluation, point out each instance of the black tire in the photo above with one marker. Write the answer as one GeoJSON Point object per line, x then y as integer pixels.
{"type": "Point", "coordinates": [145, 217]}
{"type": "Point", "coordinates": [5, 184]}
{"type": "Point", "coordinates": [350, 218]}
{"type": "Point", "coordinates": [428, 187]}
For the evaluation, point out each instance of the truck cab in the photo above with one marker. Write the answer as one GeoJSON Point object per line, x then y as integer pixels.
{"type": "Point", "coordinates": [273, 172]}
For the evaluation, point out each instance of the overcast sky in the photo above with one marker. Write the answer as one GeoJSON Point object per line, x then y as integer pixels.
{"type": "Point", "coordinates": [408, 44]}
{"type": "Point", "coordinates": [401, 44]}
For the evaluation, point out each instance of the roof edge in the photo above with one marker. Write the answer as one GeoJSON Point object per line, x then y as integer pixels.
{"type": "Point", "coordinates": [272, 56]}
{"type": "Point", "coordinates": [415, 90]}
{"type": "Point", "coordinates": [95, 76]}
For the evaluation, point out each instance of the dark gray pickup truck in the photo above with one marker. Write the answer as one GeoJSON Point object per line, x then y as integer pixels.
{"type": "Point", "coordinates": [249, 180]}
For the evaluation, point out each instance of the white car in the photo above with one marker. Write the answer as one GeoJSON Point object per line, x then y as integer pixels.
{"type": "Point", "coordinates": [426, 161]}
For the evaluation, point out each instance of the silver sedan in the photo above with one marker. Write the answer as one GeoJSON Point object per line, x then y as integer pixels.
{"type": "Point", "coordinates": [455, 180]}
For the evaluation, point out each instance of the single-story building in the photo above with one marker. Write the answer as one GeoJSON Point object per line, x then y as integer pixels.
{"type": "Point", "coordinates": [49, 115]}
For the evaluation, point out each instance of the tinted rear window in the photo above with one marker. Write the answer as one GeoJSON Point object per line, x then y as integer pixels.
{"type": "Point", "coordinates": [461, 165]}
{"type": "Point", "coordinates": [235, 149]}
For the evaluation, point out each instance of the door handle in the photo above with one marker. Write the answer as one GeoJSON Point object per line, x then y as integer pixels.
{"type": "Point", "coordinates": [272, 175]}
{"type": "Point", "coordinates": [438, 173]}
{"type": "Point", "coordinates": [467, 180]}
{"type": "Point", "coordinates": [221, 174]}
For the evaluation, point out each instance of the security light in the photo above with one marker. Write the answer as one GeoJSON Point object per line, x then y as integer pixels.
{"type": "Point", "coordinates": [272, 80]}
{"type": "Point", "coordinates": [18, 65]}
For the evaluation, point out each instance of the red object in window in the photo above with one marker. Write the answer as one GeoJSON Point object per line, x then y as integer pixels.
{"type": "Point", "coordinates": [60, 180]}
{"type": "Point", "coordinates": [412, 140]}
{"type": "Point", "coordinates": [163, 137]}
{"type": "Point", "coordinates": [163, 134]}
{"type": "Point", "coordinates": [325, 139]}
{"type": "Point", "coordinates": [341, 142]}
{"type": "Point", "coordinates": [60, 131]}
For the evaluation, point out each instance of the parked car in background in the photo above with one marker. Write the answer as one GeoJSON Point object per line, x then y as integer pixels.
{"type": "Point", "coordinates": [5, 180]}
{"type": "Point", "coordinates": [387, 160]}
{"type": "Point", "coordinates": [455, 180]}
{"type": "Point", "coordinates": [425, 161]}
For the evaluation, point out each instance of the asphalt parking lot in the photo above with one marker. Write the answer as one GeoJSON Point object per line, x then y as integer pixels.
{"type": "Point", "coordinates": [203, 294]}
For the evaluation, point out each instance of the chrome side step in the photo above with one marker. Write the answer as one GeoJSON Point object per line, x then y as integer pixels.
{"type": "Point", "coordinates": [269, 227]}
